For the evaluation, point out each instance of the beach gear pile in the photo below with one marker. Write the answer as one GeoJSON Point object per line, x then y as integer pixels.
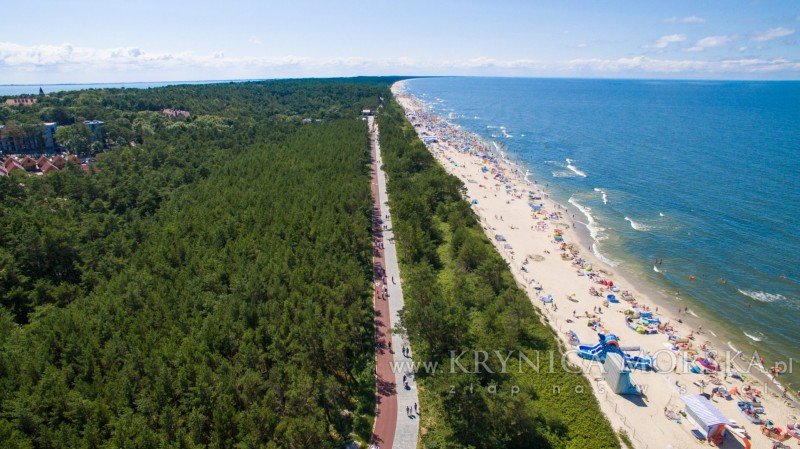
{"type": "Point", "coordinates": [642, 322]}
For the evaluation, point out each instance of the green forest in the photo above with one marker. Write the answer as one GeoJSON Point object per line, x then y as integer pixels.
{"type": "Point", "coordinates": [460, 296]}
{"type": "Point", "coordinates": [207, 286]}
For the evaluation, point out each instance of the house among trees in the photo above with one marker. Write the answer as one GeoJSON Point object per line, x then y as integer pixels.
{"type": "Point", "coordinates": [59, 161]}
{"type": "Point", "coordinates": [41, 165]}
{"type": "Point", "coordinates": [28, 163]}
{"type": "Point", "coordinates": [21, 101]}
{"type": "Point", "coordinates": [15, 140]}
{"type": "Point", "coordinates": [48, 167]}
{"type": "Point", "coordinates": [49, 135]}
{"type": "Point", "coordinates": [12, 164]}
{"type": "Point", "coordinates": [96, 127]}
{"type": "Point", "coordinates": [175, 113]}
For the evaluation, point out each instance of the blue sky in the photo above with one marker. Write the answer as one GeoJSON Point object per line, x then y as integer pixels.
{"type": "Point", "coordinates": [145, 40]}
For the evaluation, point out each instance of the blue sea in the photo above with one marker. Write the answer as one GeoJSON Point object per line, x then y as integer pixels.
{"type": "Point", "coordinates": [31, 89]}
{"type": "Point", "coordinates": [702, 174]}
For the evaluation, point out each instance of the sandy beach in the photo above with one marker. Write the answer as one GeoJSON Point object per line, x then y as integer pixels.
{"type": "Point", "coordinates": [570, 285]}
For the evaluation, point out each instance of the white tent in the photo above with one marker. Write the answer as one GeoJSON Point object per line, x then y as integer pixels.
{"type": "Point", "coordinates": [703, 412]}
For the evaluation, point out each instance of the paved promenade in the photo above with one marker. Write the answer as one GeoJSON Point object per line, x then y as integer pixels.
{"type": "Point", "coordinates": [396, 388]}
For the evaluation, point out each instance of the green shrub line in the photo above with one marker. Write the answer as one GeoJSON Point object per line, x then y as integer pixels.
{"type": "Point", "coordinates": [461, 296]}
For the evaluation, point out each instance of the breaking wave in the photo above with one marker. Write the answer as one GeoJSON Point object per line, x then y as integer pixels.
{"type": "Point", "coordinates": [591, 224]}
{"type": "Point", "coordinates": [753, 337]}
{"type": "Point", "coordinates": [762, 296]}
{"type": "Point", "coordinates": [574, 169]}
{"type": "Point", "coordinates": [638, 226]}
{"type": "Point", "coordinates": [603, 258]}
{"type": "Point", "coordinates": [602, 193]}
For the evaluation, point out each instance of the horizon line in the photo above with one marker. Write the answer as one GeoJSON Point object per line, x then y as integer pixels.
{"type": "Point", "coordinates": [242, 80]}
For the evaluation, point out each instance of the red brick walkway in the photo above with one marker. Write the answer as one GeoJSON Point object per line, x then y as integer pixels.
{"type": "Point", "coordinates": [386, 392]}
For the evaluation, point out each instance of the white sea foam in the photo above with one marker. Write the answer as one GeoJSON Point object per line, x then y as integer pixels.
{"type": "Point", "coordinates": [762, 296]}
{"type": "Point", "coordinates": [752, 337]}
{"type": "Point", "coordinates": [638, 226]}
{"type": "Point", "coordinates": [604, 259]}
{"type": "Point", "coordinates": [574, 169]}
{"type": "Point", "coordinates": [591, 224]}
{"type": "Point", "coordinates": [661, 214]}
{"type": "Point", "coordinates": [655, 268]}
{"type": "Point", "coordinates": [602, 194]}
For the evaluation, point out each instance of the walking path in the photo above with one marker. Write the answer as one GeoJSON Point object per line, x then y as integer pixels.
{"type": "Point", "coordinates": [392, 349]}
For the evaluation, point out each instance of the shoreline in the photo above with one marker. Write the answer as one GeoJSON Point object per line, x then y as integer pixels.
{"type": "Point", "coordinates": [656, 293]}
{"type": "Point", "coordinates": [462, 159]}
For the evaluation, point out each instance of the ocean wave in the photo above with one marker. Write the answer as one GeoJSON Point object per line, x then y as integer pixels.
{"type": "Point", "coordinates": [655, 268]}
{"type": "Point", "coordinates": [602, 194]}
{"type": "Point", "coordinates": [661, 214]}
{"type": "Point", "coordinates": [591, 224]}
{"type": "Point", "coordinates": [604, 259]}
{"type": "Point", "coordinates": [638, 226]}
{"type": "Point", "coordinates": [762, 296]}
{"type": "Point", "coordinates": [562, 174]}
{"type": "Point", "coordinates": [753, 337]}
{"type": "Point", "coordinates": [574, 169]}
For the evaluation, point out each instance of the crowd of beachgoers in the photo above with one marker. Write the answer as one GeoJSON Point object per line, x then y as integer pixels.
{"type": "Point", "coordinates": [582, 297]}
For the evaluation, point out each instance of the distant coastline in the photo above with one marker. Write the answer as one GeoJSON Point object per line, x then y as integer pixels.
{"type": "Point", "coordinates": [32, 89]}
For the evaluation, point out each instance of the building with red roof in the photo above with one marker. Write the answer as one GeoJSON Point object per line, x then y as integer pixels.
{"type": "Point", "coordinates": [48, 167]}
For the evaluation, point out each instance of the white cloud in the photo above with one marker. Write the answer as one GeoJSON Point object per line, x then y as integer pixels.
{"type": "Point", "coordinates": [583, 45]}
{"type": "Point", "coordinates": [254, 40]}
{"type": "Point", "coordinates": [687, 19]}
{"type": "Point", "coordinates": [67, 63]}
{"type": "Point", "coordinates": [710, 42]}
{"type": "Point", "coordinates": [664, 41]}
{"type": "Point", "coordinates": [772, 33]}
